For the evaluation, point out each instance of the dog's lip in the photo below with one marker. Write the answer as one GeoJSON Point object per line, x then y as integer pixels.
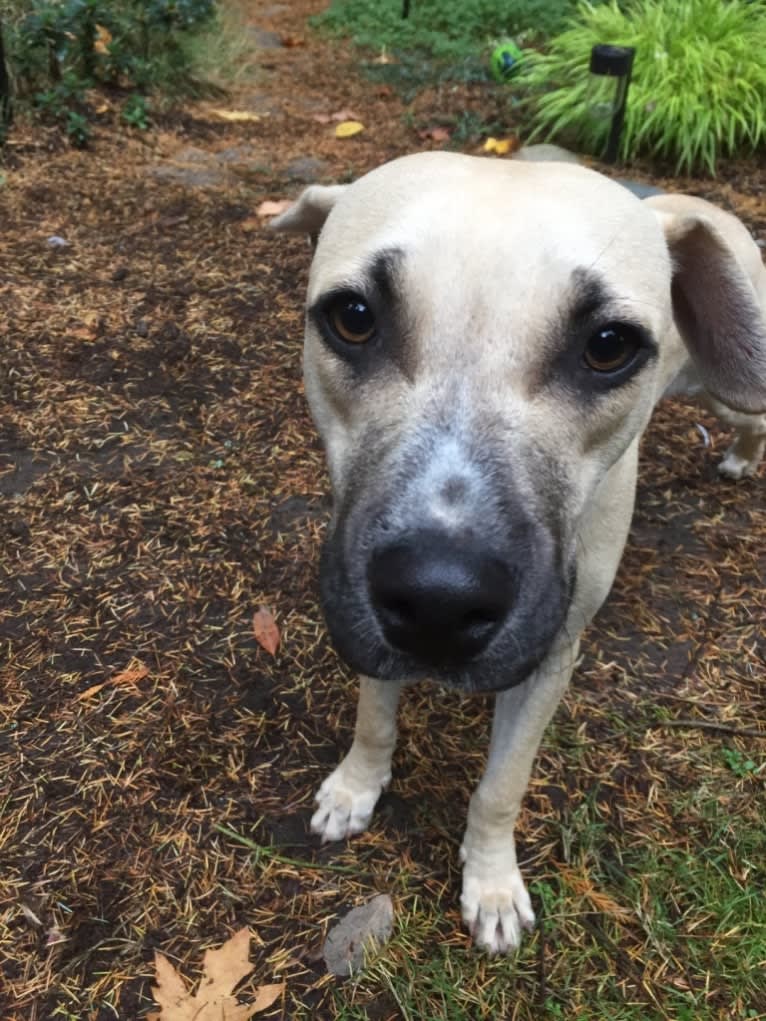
{"type": "Point", "coordinates": [472, 677]}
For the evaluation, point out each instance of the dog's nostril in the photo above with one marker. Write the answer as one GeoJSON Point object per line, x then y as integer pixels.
{"type": "Point", "coordinates": [398, 609]}
{"type": "Point", "coordinates": [440, 601]}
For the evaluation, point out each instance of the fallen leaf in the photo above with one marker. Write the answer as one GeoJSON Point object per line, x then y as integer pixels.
{"type": "Point", "coordinates": [102, 40]}
{"type": "Point", "coordinates": [266, 995]}
{"type": "Point", "coordinates": [266, 630]}
{"type": "Point", "coordinates": [272, 208]}
{"type": "Point", "coordinates": [435, 134]}
{"type": "Point", "coordinates": [290, 41]}
{"type": "Point", "coordinates": [222, 971]}
{"type": "Point", "coordinates": [346, 129]}
{"type": "Point", "coordinates": [236, 116]}
{"type": "Point", "coordinates": [339, 115]}
{"type": "Point", "coordinates": [499, 145]}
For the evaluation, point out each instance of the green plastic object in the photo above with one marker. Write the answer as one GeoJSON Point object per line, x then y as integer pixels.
{"type": "Point", "coordinates": [505, 60]}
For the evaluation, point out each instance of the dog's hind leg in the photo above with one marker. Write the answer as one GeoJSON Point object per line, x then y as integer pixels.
{"type": "Point", "coordinates": [347, 797]}
{"type": "Point", "coordinates": [746, 451]}
{"type": "Point", "coordinates": [496, 905]}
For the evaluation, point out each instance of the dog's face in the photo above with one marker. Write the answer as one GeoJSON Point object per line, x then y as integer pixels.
{"type": "Point", "coordinates": [484, 342]}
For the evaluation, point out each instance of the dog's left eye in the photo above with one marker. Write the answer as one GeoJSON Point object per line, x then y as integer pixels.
{"type": "Point", "coordinates": [351, 318]}
{"type": "Point", "coordinates": [612, 347]}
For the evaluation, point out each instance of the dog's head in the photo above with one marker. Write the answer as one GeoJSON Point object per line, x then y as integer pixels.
{"type": "Point", "coordinates": [484, 341]}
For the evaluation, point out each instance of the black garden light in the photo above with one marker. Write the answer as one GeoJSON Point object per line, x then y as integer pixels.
{"type": "Point", "coordinates": [610, 68]}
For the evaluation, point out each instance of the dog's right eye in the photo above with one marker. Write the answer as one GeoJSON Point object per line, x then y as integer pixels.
{"type": "Point", "coordinates": [350, 318]}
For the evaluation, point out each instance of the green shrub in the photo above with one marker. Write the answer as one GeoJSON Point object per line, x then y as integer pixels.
{"type": "Point", "coordinates": [59, 49]}
{"type": "Point", "coordinates": [699, 79]}
{"type": "Point", "coordinates": [442, 29]}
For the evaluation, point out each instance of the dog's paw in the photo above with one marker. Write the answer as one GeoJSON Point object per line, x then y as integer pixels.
{"type": "Point", "coordinates": [345, 805]}
{"type": "Point", "coordinates": [496, 909]}
{"type": "Point", "coordinates": [735, 467]}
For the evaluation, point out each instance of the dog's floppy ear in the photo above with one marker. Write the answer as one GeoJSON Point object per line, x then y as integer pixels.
{"type": "Point", "coordinates": [717, 312]}
{"type": "Point", "coordinates": [308, 214]}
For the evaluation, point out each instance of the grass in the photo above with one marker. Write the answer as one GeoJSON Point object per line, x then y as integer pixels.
{"type": "Point", "coordinates": [223, 54]}
{"type": "Point", "coordinates": [618, 921]}
{"type": "Point", "coordinates": [447, 30]}
{"type": "Point", "coordinates": [699, 82]}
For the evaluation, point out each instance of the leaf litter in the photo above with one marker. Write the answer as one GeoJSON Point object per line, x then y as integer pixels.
{"type": "Point", "coordinates": [161, 477]}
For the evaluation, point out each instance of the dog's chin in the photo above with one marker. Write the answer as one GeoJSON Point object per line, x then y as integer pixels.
{"type": "Point", "coordinates": [489, 673]}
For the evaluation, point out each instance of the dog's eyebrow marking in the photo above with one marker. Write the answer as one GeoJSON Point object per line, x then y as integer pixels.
{"type": "Point", "coordinates": [378, 281]}
{"type": "Point", "coordinates": [383, 270]}
{"type": "Point", "coordinates": [588, 295]}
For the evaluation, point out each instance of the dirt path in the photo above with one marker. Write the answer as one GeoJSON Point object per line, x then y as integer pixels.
{"type": "Point", "coordinates": [160, 479]}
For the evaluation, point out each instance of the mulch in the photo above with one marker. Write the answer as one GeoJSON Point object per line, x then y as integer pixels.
{"type": "Point", "coordinates": [160, 480]}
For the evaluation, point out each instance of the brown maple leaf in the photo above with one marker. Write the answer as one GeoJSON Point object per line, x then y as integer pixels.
{"type": "Point", "coordinates": [222, 971]}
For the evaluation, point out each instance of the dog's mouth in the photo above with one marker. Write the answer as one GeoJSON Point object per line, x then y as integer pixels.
{"type": "Point", "coordinates": [464, 614]}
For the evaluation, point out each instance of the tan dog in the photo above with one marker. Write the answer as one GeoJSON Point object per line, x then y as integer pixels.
{"type": "Point", "coordinates": [485, 342]}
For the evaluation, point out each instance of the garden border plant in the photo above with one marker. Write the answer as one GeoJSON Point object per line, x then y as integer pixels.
{"type": "Point", "coordinates": [58, 51]}
{"type": "Point", "coordinates": [699, 80]}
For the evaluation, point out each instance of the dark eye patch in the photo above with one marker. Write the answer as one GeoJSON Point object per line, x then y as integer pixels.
{"type": "Point", "coordinates": [600, 347]}
{"type": "Point", "coordinates": [364, 319]}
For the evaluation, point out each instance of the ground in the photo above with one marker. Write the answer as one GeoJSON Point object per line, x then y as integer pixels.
{"type": "Point", "coordinates": [160, 479]}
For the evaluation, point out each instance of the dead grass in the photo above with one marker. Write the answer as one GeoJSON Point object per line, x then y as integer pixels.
{"type": "Point", "coordinates": [160, 479]}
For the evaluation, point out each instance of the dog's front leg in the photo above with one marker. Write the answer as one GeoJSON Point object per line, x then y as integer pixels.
{"type": "Point", "coordinates": [347, 797]}
{"type": "Point", "coordinates": [496, 905]}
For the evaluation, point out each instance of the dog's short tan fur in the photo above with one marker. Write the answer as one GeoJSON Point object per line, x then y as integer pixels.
{"type": "Point", "coordinates": [486, 260]}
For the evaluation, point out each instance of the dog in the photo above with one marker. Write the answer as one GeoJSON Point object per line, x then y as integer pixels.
{"type": "Point", "coordinates": [485, 342]}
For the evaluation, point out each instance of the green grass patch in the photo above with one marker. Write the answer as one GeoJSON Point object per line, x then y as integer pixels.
{"type": "Point", "coordinates": [636, 926]}
{"type": "Point", "coordinates": [444, 29]}
{"type": "Point", "coordinates": [699, 80]}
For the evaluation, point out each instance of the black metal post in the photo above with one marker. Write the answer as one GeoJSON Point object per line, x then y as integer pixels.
{"type": "Point", "coordinates": [615, 62]}
{"type": "Point", "coordinates": [618, 118]}
{"type": "Point", "coordinates": [406, 9]}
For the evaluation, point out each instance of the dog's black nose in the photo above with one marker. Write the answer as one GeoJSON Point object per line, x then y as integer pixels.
{"type": "Point", "coordinates": [438, 600]}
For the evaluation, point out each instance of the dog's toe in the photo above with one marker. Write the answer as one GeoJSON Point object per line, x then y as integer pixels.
{"type": "Point", "coordinates": [343, 807]}
{"type": "Point", "coordinates": [496, 910]}
{"type": "Point", "coordinates": [734, 467]}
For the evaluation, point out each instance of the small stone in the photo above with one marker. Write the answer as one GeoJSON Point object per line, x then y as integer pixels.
{"type": "Point", "coordinates": [55, 241]}
{"type": "Point", "coordinates": [266, 40]}
{"type": "Point", "coordinates": [306, 169]}
{"type": "Point", "coordinates": [545, 153]}
{"type": "Point", "coordinates": [120, 274]}
{"type": "Point", "coordinates": [347, 941]}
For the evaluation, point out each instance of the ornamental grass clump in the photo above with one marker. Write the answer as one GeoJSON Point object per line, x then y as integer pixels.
{"type": "Point", "coordinates": [699, 80]}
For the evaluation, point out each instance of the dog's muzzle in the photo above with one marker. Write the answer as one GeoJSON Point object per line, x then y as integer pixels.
{"type": "Point", "coordinates": [438, 599]}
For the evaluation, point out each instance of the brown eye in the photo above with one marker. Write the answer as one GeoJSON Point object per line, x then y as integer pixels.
{"type": "Point", "coordinates": [612, 348]}
{"type": "Point", "coordinates": [351, 319]}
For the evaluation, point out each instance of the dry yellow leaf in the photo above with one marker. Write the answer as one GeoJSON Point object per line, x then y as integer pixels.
{"type": "Point", "coordinates": [346, 129]}
{"type": "Point", "coordinates": [501, 146]}
{"type": "Point", "coordinates": [222, 971]}
{"type": "Point", "coordinates": [102, 40]}
{"type": "Point", "coordinates": [236, 116]}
